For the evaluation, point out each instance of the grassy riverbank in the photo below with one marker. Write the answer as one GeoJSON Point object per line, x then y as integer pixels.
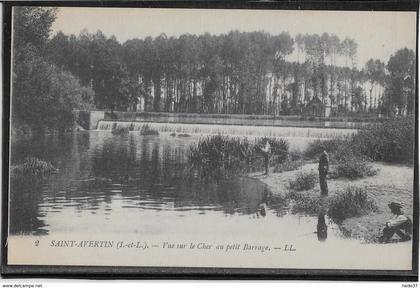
{"type": "Point", "coordinates": [393, 182]}
{"type": "Point", "coordinates": [368, 170]}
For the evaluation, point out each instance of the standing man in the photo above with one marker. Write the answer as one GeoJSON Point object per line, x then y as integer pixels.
{"type": "Point", "coordinates": [266, 152]}
{"type": "Point", "coordinates": [323, 171]}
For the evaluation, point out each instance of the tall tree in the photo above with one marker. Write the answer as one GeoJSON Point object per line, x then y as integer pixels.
{"type": "Point", "coordinates": [400, 87]}
{"type": "Point", "coordinates": [43, 95]}
{"type": "Point", "coordinates": [349, 50]}
{"type": "Point", "coordinates": [375, 73]}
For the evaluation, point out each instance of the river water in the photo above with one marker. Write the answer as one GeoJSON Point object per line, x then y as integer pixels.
{"type": "Point", "coordinates": [116, 188]}
{"type": "Point", "coordinates": [132, 184]}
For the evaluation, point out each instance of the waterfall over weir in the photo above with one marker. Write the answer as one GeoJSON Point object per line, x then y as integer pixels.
{"type": "Point", "coordinates": [237, 130]}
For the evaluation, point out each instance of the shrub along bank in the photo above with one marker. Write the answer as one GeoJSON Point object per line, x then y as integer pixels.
{"type": "Point", "coordinates": [32, 167]}
{"type": "Point", "coordinates": [304, 181]}
{"type": "Point", "coordinates": [221, 157]}
{"type": "Point", "coordinates": [390, 141]}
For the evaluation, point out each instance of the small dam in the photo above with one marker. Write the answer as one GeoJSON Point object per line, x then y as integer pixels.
{"type": "Point", "coordinates": [227, 129]}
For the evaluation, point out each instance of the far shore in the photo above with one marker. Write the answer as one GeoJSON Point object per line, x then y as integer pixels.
{"type": "Point", "coordinates": [352, 117]}
{"type": "Point", "coordinates": [392, 183]}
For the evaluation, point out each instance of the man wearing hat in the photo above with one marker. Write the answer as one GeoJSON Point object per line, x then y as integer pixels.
{"type": "Point", "coordinates": [266, 152]}
{"type": "Point", "coordinates": [399, 224]}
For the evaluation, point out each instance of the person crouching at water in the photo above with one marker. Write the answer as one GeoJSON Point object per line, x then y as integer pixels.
{"type": "Point", "coordinates": [399, 224]}
{"type": "Point", "coordinates": [266, 152]}
{"type": "Point", "coordinates": [323, 171]}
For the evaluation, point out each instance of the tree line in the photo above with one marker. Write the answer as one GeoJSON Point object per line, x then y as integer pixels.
{"type": "Point", "coordinates": [237, 72]}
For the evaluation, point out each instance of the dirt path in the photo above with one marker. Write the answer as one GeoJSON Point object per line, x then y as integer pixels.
{"type": "Point", "coordinates": [392, 183]}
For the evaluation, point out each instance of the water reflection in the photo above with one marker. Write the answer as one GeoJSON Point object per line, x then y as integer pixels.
{"type": "Point", "coordinates": [114, 160]}
{"type": "Point", "coordinates": [26, 215]}
{"type": "Point", "coordinates": [321, 228]}
{"type": "Point", "coordinates": [136, 184]}
{"type": "Point", "coordinates": [110, 176]}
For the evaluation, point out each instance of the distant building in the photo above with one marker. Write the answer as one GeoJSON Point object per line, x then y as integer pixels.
{"type": "Point", "coordinates": [316, 108]}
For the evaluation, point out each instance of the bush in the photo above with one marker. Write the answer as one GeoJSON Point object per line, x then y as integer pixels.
{"type": "Point", "coordinates": [224, 157]}
{"type": "Point", "coordinates": [316, 147]}
{"type": "Point", "coordinates": [353, 168]}
{"type": "Point", "coordinates": [339, 150]}
{"type": "Point", "coordinates": [147, 130]}
{"type": "Point", "coordinates": [118, 130]}
{"type": "Point", "coordinates": [33, 166]}
{"type": "Point", "coordinates": [353, 202]}
{"type": "Point", "coordinates": [390, 141]}
{"type": "Point", "coordinates": [295, 155]}
{"type": "Point", "coordinates": [288, 166]}
{"type": "Point", "coordinates": [306, 204]}
{"type": "Point", "coordinates": [221, 157]}
{"type": "Point", "coordinates": [184, 135]}
{"type": "Point", "coordinates": [304, 181]}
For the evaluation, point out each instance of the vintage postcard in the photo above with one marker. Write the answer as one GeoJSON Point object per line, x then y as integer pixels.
{"type": "Point", "coordinates": [222, 138]}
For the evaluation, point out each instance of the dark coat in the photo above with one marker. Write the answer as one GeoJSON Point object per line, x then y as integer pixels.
{"type": "Point", "coordinates": [323, 163]}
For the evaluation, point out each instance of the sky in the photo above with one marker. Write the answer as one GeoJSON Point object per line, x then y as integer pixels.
{"type": "Point", "coordinates": [378, 34]}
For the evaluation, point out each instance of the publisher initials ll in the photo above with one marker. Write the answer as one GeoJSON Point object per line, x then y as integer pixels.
{"type": "Point", "coordinates": [289, 247]}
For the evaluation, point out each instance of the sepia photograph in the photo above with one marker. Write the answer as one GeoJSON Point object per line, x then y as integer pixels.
{"type": "Point", "coordinates": [212, 138]}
